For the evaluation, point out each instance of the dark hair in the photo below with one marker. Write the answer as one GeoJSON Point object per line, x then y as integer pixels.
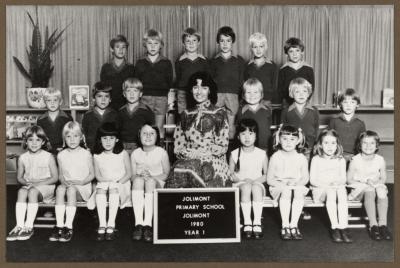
{"type": "Point", "coordinates": [293, 42]}
{"type": "Point", "coordinates": [39, 132]}
{"type": "Point", "coordinates": [349, 92]}
{"type": "Point", "coordinates": [206, 80]}
{"type": "Point", "coordinates": [365, 134]}
{"type": "Point", "coordinates": [119, 38]}
{"type": "Point", "coordinates": [289, 130]}
{"type": "Point", "coordinates": [190, 31]}
{"type": "Point", "coordinates": [228, 31]}
{"type": "Point", "coordinates": [107, 129]}
{"type": "Point", "coordinates": [101, 87]}
{"type": "Point", "coordinates": [318, 146]}
{"type": "Point", "coordinates": [244, 125]}
{"type": "Point", "coordinates": [153, 127]}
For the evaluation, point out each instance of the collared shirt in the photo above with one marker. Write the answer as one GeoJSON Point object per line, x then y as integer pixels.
{"type": "Point", "coordinates": [267, 74]}
{"type": "Point", "coordinates": [228, 73]}
{"type": "Point", "coordinates": [186, 67]}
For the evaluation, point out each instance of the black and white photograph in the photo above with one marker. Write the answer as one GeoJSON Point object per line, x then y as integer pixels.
{"type": "Point", "coordinates": [190, 133]}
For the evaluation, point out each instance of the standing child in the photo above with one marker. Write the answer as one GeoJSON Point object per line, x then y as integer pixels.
{"type": "Point", "coordinates": [295, 67]}
{"type": "Point", "coordinates": [328, 180]}
{"type": "Point", "coordinates": [255, 109]}
{"type": "Point", "coordinates": [248, 165]}
{"type": "Point", "coordinates": [75, 174]}
{"type": "Point", "coordinates": [112, 170]}
{"type": "Point", "coordinates": [37, 172]}
{"type": "Point", "coordinates": [227, 71]}
{"type": "Point", "coordinates": [367, 177]}
{"type": "Point", "coordinates": [262, 68]}
{"type": "Point", "coordinates": [287, 177]}
{"type": "Point", "coordinates": [150, 169]}
{"type": "Point", "coordinates": [117, 70]}
{"type": "Point", "coordinates": [155, 72]}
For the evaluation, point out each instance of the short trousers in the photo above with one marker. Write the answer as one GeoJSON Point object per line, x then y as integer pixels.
{"type": "Point", "coordinates": [158, 104]}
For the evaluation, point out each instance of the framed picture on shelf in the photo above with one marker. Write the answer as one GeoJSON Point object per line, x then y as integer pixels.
{"type": "Point", "coordinates": [388, 98]}
{"type": "Point", "coordinates": [79, 97]}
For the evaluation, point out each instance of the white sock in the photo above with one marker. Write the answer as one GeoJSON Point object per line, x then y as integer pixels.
{"type": "Point", "coordinates": [60, 212]}
{"type": "Point", "coordinates": [138, 205]}
{"type": "Point", "coordinates": [246, 210]}
{"type": "Point", "coordinates": [113, 204]}
{"type": "Point", "coordinates": [20, 211]}
{"type": "Point", "coordinates": [257, 212]}
{"type": "Point", "coordinates": [148, 209]}
{"type": "Point", "coordinates": [101, 201]}
{"type": "Point", "coordinates": [297, 208]}
{"type": "Point", "coordinates": [32, 209]}
{"type": "Point", "coordinates": [284, 207]}
{"type": "Point", "coordinates": [343, 212]}
{"type": "Point", "coordinates": [332, 213]}
{"type": "Point", "coordinates": [70, 215]}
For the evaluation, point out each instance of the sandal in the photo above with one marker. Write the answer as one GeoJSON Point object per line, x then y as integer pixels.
{"type": "Point", "coordinates": [257, 231]}
{"type": "Point", "coordinates": [110, 233]}
{"type": "Point", "coordinates": [101, 233]}
{"type": "Point", "coordinates": [247, 231]}
{"type": "Point", "coordinates": [285, 233]}
{"type": "Point", "coordinates": [296, 235]}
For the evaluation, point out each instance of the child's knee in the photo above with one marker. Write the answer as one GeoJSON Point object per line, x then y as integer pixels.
{"type": "Point", "coordinates": [298, 194]}
{"type": "Point", "coordinates": [150, 185]}
{"type": "Point", "coordinates": [113, 191]}
{"type": "Point", "coordinates": [22, 195]}
{"type": "Point", "coordinates": [60, 191]}
{"type": "Point", "coordinates": [33, 194]}
{"type": "Point", "coordinates": [381, 193]}
{"type": "Point", "coordinates": [286, 194]}
{"type": "Point", "coordinates": [101, 192]}
{"type": "Point", "coordinates": [71, 193]}
{"type": "Point", "coordinates": [138, 184]}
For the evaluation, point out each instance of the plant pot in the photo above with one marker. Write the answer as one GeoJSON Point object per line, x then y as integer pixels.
{"type": "Point", "coordinates": [34, 95]}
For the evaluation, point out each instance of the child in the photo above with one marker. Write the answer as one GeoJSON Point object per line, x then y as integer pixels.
{"type": "Point", "coordinates": [75, 174]}
{"type": "Point", "coordinates": [227, 71]}
{"type": "Point", "coordinates": [117, 70]}
{"type": "Point", "coordinates": [294, 68]}
{"type": "Point", "coordinates": [287, 173]}
{"type": "Point", "coordinates": [328, 179]}
{"type": "Point", "coordinates": [150, 169]}
{"type": "Point", "coordinates": [134, 114]}
{"type": "Point", "coordinates": [54, 119]}
{"type": "Point", "coordinates": [248, 165]}
{"type": "Point", "coordinates": [113, 171]}
{"type": "Point", "coordinates": [346, 124]}
{"type": "Point", "coordinates": [190, 62]}
{"type": "Point", "coordinates": [155, 72]}
{"type": "Point", "coordinates": [100, 113]}
{"type": "Point", "coordinates": [255, 109]}
{"type": "Point", "coordinates": [37, 172]}
{"type": "Point", "coordinates": [367, 176]}
{"type": "Point", "coordinates": [262, 68]}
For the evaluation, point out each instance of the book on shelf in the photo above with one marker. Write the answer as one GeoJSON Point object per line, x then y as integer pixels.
{"type": "Point", "coordinates": [16, 125]}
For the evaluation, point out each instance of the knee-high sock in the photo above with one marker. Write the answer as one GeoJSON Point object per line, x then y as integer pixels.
{"type": "Point", "coordinates": [101, 201]}
{"type": "Point", "coordinates": [382, 210]}
{"type": "Point", "coordinates": [69, 216]}
{"type": "Point", "coordinates": [332, 209]}
{"type": "Point", "coordinates": [257, 212]}
{"type": "Point", "coordinates": [284, 207]}
{"type": "Point", "coordinates": [32, 209]}
{"type": "Point", "coordinates": [297, 208]}
{"type": "Point", "coordinates": [138, 205]}
{"type": "Point", "coordinates": [370, 208]}
{"type": "Point", "coordinates": [60, 213]}
{"type": "Point", "coordinates": [113, 204]}
{"type": "Point", "coordinates": [20, 211]}
{"type": "Point", "coordinates": [246, 210]}
{"type": "Point", "coordinates": [148, 209]}
{"type": "Point", "coordinates": [343, 213]}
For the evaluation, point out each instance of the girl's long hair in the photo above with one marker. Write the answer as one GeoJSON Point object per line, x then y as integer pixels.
{"type": "Point", "coordinates": [244, 125]}
{"type": "Point", "coordinates": [289, 130]}
{"type": "Point", "coordinates": [318, 146]}
{"type": "Point", "coordinates": [39, 132]}
{"type": "Point", "coordinates": [107, 129]}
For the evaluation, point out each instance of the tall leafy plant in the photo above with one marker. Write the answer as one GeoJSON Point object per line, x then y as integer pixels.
{"type": "Point", "coordinates": [40, 67]}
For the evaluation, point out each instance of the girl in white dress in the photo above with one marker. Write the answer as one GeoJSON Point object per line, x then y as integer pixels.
{"type": "Point", "coordinates": [150, 169]}
{"type": "Point", "coordinates": [328, 181]}
{"type": "Point", "coordinates": [75, 164]}
{"type": "Point", "coordinates": [248, 165]}
{"type": "Point", "coordinates": [112, 169]}
{"type": "Point", "coordinates": [287, 176]}
{"type": "Point", "coordinates": [37, 172]}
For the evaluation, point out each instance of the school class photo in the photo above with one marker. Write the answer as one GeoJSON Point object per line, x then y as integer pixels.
{"type": "Point", "coordinates": [246, 133]}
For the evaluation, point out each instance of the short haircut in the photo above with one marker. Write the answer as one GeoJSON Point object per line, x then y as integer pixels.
{"type": "Point", "coordinates": [365, 134]}
{"type": "Point", "coordinates": [253, 83]}
{"type": "Point", "coordinates": [118, 39]}
{"type": "Point", "coordinates": [153, 35]}
{"type": "Point", "coordinates": [318, 146]}
{"type": "Point", "coordinates": [244, 125]}
{"type": "Point", "coordinates": [228, 31]}
{"type": "Point", "coordinates": [39, 132]}
{"type": "Point", "coordinates": [73, 126]}
{"type": "Point", "coordinates": [349, 92]}
{"type": "Point", "coordinates": [52, 92]}
{"type": "Point", "coordinates": [293, 42]}
{"type": "Point", "coordinates": [299, 81]}
{"type": "Point", "coordinates": [107, 129]}
{"type": "Point", "coordinates": [206, 80]}
{"type": "Point", "coordinates": [289, 130]}
{"type": "Point", "coordinates": [101, 87]}
{"type": "Point", "coordinates": [258, 37]}
{"type": "Point", "coordinates": [132, 82]}
{"type": "Point", "coordinates": [190, 31]}
{"type": "Point", "coordinates": [155, 129]}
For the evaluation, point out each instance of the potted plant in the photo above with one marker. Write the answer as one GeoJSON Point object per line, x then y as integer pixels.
{"type": "Point", "coordinates": [40, 67]}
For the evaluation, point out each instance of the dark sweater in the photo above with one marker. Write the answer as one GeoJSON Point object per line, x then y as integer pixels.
{"type": "Point", "coordinates": [348, 131]}
{"type": "Point", "coordinates": [267, 74]}
{"type": "Point", "coordinates": [130, 123]}
{"type": "Point", "coordinates": [156, 76]}
{"type": "Point", "coordinates": [92, 120]}
{"type": "Point", "coordinates": [185, 67]}
{"type": "Point", "coordinates": [53, 129]}
{"type": "Point", "coordinates": [228, 73]}
{"type": "Point", "coordinates": [115, 76]}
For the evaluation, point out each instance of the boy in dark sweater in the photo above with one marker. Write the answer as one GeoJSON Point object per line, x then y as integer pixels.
{"type": "Point", "coordinates": [156, 74]}
{"type": "Point", "coordinates": [117, 70]}
{"type": "Point", "coordinates": [134, 114]}
{"type": "Point", "coordinates": [293, 68]}
{"type": "Point", "coordinates": [227, 71]}
{"type": "Point", "coordinates": [101, 113]}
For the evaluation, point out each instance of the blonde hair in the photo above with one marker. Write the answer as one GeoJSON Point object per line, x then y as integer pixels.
{"type": "Point", "coordinates": [258, 37]}
{"type": "Point", "coordinates": [153, 35]}
{"type": "Point", "coordinates": [318, 146]}
{"type": "Point", "coordinates": [253, 83]}
{"type": "Point", "coordinates": [132, 82]}
{"type": "Point", "coordinates": [299, 81]}
{"type": "Point", "coordinates": [73, 126]}
{"type": "Point", "coordinates": [52, 92]}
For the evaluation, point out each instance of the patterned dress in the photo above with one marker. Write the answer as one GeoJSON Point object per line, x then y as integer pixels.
{"type": "Point", "coordinates": [201, 143]}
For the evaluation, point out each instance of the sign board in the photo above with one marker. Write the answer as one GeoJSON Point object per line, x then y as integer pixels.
{"type": "Point", "coordinates": [196, 215]}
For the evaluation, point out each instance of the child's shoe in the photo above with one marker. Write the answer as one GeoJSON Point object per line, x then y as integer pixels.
{"type": "Point", "coordinates": [66, 235]}
{"type": "Point", "coordinates": [101, 234]}
{"type": "Point", "coordinates": [56, 234]}
{"type": "Point", "coordinates": [137, 232]}
{"type": "Point", "coordinates": [285, 234]}
{"type": "Point", "coordinates": [148, 233]}
{"type": "Point", "coordinates": [336, 236]}
{"type": "Point", "coordinates": [257, 231]}
{"type": "Point", "coordinates": [295, 232]}
{"type": "Point", "coordinates": [385, 233]}
{"type": "Point", "coordinates": [14, 234]}
{"type": "Point", "coordinates": [25, 233]}
{"type": "Point", "coordinates": [110, 233]}
{"type": "Point", "coordinates": [306, 215]}
{"type": "Point", "coordinates": [247, 231]}
{"type": "Point", "coordinates": [374, 233]}
{"type": "Point", "coordinates": [346, 236]}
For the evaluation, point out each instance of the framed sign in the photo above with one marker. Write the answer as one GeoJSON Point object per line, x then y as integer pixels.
{"type": "Point", "coordinates": [79, 97]}
{"type": "Point", "coordinates": [196, 215]}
